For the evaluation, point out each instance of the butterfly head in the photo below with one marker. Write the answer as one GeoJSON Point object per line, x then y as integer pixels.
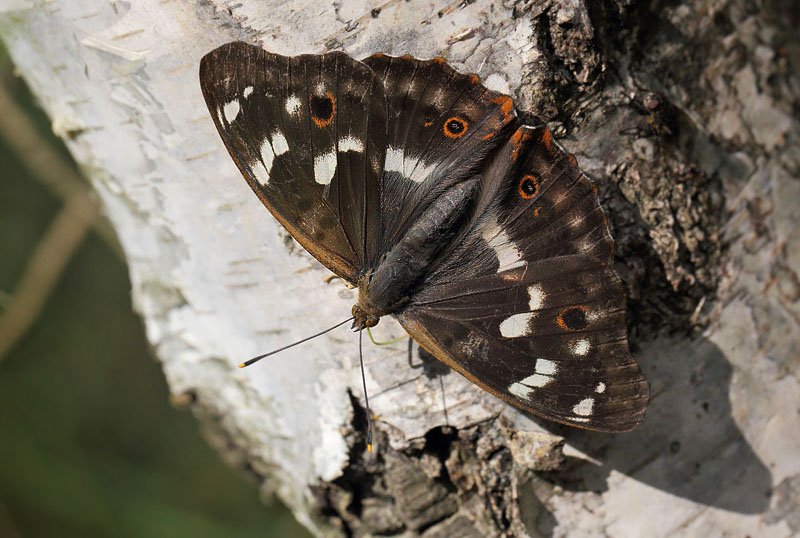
{"type": "Point", "coordinates": [363, 318]}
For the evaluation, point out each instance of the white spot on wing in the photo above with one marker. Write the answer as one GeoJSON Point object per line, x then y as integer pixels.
{"type": "Point", "coordinates": [262, 168]}
{"type": "Point", "coordinates": [420, 171]}
{"type": "Point", "coordinates": [247, 91]}
{"type": "Point", "coordinates": [279, 143]}
{"type": "Point", "coordinates": [584, 407]}
{"type": "Point", "coordinates": [411, 168]}
{"type": "Point", "coordinates": [231, 110]}
{"type": "Point", "coordinates": [325, 167]}
{"type": "Point", "coordinates": [536, 297]}
{"type": "Point", "coordinates": [518, 389]}
{"type": "Point", "coordinates": [348, 143]}
{"type": "Point", "coordinates": [601, 388]}
{"type": "Point", "coordinates": [394, 160]}
{"type": "Point", "coordinates": [516, 325]}
{"type": "Point", "coordinates": [580, 347]}
{"type": "Point", "coordinates": [293, 105]}
{"type": "Point", "coordinates": [544, 370]}
{"type": "Point", "coordinates": [508, 255]}
{"type": "Point", "coordinates": [537, 380]}
{"type": "Point", "coordinates": [546, 367]}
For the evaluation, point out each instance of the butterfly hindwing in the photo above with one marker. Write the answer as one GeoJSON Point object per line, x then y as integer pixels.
{"type": "Point", "coordinates": [307, 134]}
{"type": "Point", "coordinates": [524, 337]}
{"type": "Point", "coordinates": [550, 207]}
{"type": "Point", "coordinates": [442, 125]}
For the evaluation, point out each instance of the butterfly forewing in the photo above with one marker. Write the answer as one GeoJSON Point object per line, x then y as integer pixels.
{"type": "Point", "coordinates": [442, 124]}
{"type": "Point", "coordinates": [307, 134]}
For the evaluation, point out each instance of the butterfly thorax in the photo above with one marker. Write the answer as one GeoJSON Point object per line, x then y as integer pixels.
{"type": "Point", "coordinates": [388, 287]}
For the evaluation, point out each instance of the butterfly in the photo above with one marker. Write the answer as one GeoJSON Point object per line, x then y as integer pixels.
{"type": "Point", "coordinates": [423, 188]}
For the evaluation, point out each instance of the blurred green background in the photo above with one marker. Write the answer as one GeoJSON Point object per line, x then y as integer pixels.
{"type": "Point", "coordinates": [89, 444]}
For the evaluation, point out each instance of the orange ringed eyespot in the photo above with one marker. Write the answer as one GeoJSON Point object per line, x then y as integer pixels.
{"type": "Point", "coordinates": [323, 109]}
{"type": "Point", "coordinates": [573, 318]}
{"type": "Point", "coordinates": [455, 127]}
{"type": "Point", "coordinates": [528, 187]}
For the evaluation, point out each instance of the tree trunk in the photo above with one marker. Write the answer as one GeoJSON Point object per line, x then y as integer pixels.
{"type": "Point", "coordinates": [685, 115]}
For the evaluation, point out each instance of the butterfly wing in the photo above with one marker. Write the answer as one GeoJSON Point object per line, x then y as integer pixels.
{"type": "Point", "coordinates": [526, 304]}
{"type": "Point", "coordinates": [442, 125]}
{"type": "Point", "coordinates": [308, 134]}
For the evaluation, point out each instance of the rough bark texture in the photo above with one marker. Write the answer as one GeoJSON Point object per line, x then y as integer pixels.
{"type": "Point", "coordinates": [686, 115]}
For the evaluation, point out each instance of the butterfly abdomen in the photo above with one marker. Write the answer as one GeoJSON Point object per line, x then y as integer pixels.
{"type": "Point", "coordinates": [389, 285]}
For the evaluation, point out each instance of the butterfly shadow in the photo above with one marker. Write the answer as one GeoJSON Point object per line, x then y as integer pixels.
{"type": "Point", "coordinates": [689, 444]}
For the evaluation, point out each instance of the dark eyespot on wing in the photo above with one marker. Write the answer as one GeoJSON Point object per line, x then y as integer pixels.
{"type": "Point", "coordinates": [528, 186]}
{"type": "Point", "coordinates": [455, 127]}
{"type": "Point", "coordinates": [573, 318]}
{"type": "Point", "coordinates": [322, 108]}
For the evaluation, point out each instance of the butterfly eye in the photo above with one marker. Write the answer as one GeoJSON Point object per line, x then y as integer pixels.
{"type": "Point", "coordinates": [528, 187]}
{"type": "Point", "coordinates": [455, 127]}
{"type": "Point", "coordinates": [322, 109]}
{"type": "Point", "coordinates": [573, 318]}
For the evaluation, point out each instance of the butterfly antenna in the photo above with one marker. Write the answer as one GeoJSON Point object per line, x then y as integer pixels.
{"type": "Point", "coordinates": [366, 397]}
{"type": "Point", "coordinates": [306, 339]}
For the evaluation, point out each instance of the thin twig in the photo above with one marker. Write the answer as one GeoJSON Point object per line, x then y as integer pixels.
{"type": "Point", "coordinates": [55, 249]}
{"type": "Point", "coordinates": [44, 163]}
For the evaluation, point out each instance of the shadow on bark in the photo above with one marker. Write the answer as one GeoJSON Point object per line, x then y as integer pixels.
{"type": "Point", "coordinates": [689, 444]}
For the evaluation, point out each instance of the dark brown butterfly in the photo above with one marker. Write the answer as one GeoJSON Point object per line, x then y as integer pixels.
{"type": "Point", "coordinates": [480, 234]}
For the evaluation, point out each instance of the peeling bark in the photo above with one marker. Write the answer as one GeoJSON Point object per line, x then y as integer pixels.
{"type": "Point", "coordinates": [686, 116]}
